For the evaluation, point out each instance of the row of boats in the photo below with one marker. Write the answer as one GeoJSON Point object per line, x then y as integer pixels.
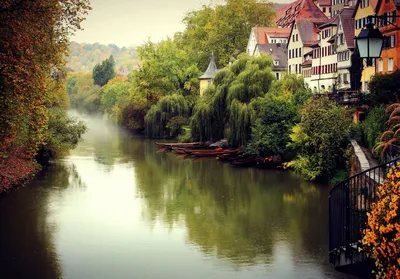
{"type": "Point", "coordinates": [235, 156]}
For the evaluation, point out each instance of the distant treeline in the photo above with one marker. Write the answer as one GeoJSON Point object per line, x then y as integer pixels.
{"type": "Point", "coordinates": [83, 57]}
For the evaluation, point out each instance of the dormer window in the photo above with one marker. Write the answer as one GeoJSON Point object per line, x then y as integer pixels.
{"type": "Point", "coordinates": [276, 62]}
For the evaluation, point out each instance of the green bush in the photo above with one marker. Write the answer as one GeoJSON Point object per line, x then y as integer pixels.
{"type": "Point", "coordinates": [372, 127]}
{"type": "Point", "coordinates": [321, 138]}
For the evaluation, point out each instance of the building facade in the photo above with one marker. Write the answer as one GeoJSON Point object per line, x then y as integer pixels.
{"type": "Point", "coordinates": [390, 56]}
{"type": "Point", "coordinates": [303, 37]}
{"type": "Point", "coordinates": [278, 53]}
{"type": "Point", "coordinates": [324, 62]}
{"type": "Point", "coordinates": [266, 35]}
{"type": "Point", "coordinates": [206, 78]}
{"type": "Point", "coordinates": [344, 47]}
{"type": "Point", "coordinates": [363, 9]}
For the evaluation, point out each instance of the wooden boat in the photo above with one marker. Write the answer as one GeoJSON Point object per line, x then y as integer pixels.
{"type": "Point", "coordinates": [213, 153]}
{"type": "Point", "coordinates": [178, 144]}
{"type": "Point", "coordinates": [247, 161]}
{"type": "Point", "coordinates": [180, 151]}
{"type": "Point", "coordinates": [227, 156]}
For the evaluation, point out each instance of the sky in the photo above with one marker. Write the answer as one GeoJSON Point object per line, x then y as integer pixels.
{"type": "Point", "coordinates": [132, 22]}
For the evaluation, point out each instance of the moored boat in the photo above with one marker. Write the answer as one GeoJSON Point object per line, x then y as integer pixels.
{"type": "Point", "coordinates": [214, 153]}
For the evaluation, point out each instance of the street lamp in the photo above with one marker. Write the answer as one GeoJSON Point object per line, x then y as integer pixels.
{"type": "Point", "coordinates": [369, 43]}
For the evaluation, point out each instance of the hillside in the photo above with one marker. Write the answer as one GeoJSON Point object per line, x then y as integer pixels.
{"type": "Point", "coordinates": [83, 57]}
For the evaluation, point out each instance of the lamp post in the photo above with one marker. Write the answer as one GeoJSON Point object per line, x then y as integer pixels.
{"type": "Point", "coordinates": [370, 40]}
{"type": "Point", "coordinates": [369, 43]}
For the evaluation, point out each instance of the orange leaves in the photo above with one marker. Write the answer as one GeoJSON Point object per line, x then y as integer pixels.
{"type": "Point", "coordinates": [382, 235]}
{"type": "Point", "coordinates": [28, 53]}
{"type": "Point", "coordinates": [390, 138]}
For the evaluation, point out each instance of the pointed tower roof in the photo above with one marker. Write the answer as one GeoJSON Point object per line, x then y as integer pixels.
{"type": "Point", "coordinates": [211, 70]}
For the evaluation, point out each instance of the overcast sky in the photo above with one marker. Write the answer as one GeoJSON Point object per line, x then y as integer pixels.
{"type": "Point", "coordinates": [132, 22]}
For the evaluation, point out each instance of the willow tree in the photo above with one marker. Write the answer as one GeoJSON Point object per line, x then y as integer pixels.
{"type": "Point", "coordinates": [224, 111]}
{"type": "Point", "coordinates": [170, 111]}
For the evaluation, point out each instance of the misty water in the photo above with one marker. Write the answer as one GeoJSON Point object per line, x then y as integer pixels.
{"type": "Point", "coordinates": [115, 208]}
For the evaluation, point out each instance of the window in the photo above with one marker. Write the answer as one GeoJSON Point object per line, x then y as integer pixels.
{"type": "Point", "coordinates": [345, 78]}
{"type": "Point", "coordinates": [273, 41]}
{"type": "Point", "coordinates": [276, 62]}
{"type": "Point", "coordinates": [364, 3]}
{"type": "Point", "coordinates": [366, 86]}
{"type": "Point", "coordinates": [299, 51]}
{"type": "Point", "coordinates": [389, 41]}
{"type": "Point", "coordinates": [277, 76]}
{"type": "Point", "coordinates": [297, 37]}
{"type": "Point", "coordinates": [341, 41]}
{"type": "Point", "coordinates": [380, 65]}
{"type": "Point", "coordinates": [390, 65]}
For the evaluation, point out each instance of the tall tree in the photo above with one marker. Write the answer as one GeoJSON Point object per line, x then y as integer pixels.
{"type": "Point", "coordinates": [104, 72]}
{"type": "Point", "coordinates": [223, 29]}
{"type": "Point", "coordinates": [34, 40]}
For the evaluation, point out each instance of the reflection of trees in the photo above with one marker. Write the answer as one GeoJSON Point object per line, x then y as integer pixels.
{"type": "Point", "coordinates": [232, 212]}
{"type": "Point", "coordinates": [26, 229]}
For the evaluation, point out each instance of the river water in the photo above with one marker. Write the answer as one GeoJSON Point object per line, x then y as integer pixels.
{"type": "Point", "coordinates": [115, 208]}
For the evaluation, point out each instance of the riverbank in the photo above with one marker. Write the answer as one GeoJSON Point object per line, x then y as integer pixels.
{"type": "Point", "coordinates": [16, 171]}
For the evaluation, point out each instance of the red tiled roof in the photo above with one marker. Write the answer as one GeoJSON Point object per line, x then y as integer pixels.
{"type": "Point", "coordinates": [309, 62]}
{"type": "Point", "coordinates": [260, 33]}
{"type": "Point", "coordinates": [299, 9]}
{"type": "Point", "coordinates": [373, 3]}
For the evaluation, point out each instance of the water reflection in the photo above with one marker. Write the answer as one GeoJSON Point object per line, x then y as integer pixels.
{"type": "Point", "coordinates": [238, 214]}
{"type": "Point", "coordinates": [115, 208]}
{"type": "Point", "coordinates": [27, 248]}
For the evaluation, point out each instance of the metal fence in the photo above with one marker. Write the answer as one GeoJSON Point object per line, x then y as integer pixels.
{"type": "Point", "coordinates": [349, 202]}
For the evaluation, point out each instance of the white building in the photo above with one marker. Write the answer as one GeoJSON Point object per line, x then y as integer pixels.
{"type": "Point", "coordinates": [303, 35]}
{"type": "Point", "coordinates": [266, 35]}
{"type": "Point", "coordinates": [324, 62]}
{"type": "Point", "coordinates": [345, 47]}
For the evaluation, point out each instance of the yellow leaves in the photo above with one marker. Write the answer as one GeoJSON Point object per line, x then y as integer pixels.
{"type": "Point", "coordinates": [382, 235]}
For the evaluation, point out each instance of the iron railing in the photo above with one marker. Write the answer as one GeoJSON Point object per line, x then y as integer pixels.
{"type": "Point", "coordinates": [349, 202]}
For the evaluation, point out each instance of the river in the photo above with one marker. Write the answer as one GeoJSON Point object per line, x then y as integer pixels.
{"type": "Point", "coordinates": [115, 208]}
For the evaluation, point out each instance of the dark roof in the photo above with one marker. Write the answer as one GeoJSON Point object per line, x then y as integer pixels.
{"type": "Point", "coordinates": [308, 30]}
{"type": "Point", "coordinates": [346, 17]}
{"type": "Point", "coordinates": [211, 70]}
{"type": "Point", "coordinates": [278, 52]}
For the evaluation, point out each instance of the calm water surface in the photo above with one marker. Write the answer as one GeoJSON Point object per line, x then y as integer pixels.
{"type": "Point", "coordinates": [115, 208]}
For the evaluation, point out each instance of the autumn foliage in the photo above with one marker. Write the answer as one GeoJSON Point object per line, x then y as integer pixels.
{"type": "Point", "coordinates": [382, 236]}
{"type": "Point", "coordinates": [34, 39]}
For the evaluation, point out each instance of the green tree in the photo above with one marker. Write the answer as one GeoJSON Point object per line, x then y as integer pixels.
{"type": "Point", "coordinates": [165, 69]}
{"type": "Point", "coordinates": [321, 138]}
{"type": "Point", "coordinates": [104, 72]}
{"type": "Point", "coordinates": [223, 29]}
{"type": "Point", "coordinates": [385, 89]}
{"type": "Point", "coordinates": [271, 129]}
{"type": "Point", "coordinates": [225, 108]}
{"type": "Point", "coordinates": [115, 92]}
